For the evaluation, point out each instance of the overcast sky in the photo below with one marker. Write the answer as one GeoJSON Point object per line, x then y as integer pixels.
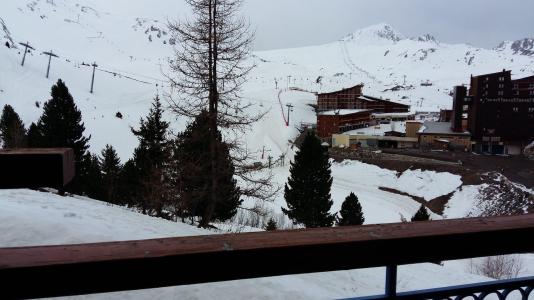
{"type": "Point", "coordinates": [294, 23]}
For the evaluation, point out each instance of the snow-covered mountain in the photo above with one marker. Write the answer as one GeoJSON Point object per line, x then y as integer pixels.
{"type": "Point", "coordinates": [522, 47]}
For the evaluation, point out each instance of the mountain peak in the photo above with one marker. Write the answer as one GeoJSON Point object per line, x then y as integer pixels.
{"type": "Point", "coordinates": [381, 31]}
{"type": "Point", "coordinates": [426, 38]}
{"type": "Point", "coordinates": [522, 47]}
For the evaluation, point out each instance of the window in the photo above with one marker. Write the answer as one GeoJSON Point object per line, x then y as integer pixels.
{"type": "Point", "coordinates": [501, 85]}
{"type": "Point", "coordinates": [501, 78]}
{"type": "Point", "coordinates": [516, 93]}
{"type": "Point", "coordinates": [531, 109]}
{"type": "Point", "coordinates": [531, 86]}
{"type": "Point", "coordinates": [531, 93]}
{"type": "Point", "coordinates": [516, 86]}
{"type": "Point", "coordinates": [501, 93]}
{"type": "Point", "coordinates": [515, 109]}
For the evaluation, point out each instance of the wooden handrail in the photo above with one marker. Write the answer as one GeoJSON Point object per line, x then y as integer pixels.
{"type": "Point", "coordinates": [130, 265]}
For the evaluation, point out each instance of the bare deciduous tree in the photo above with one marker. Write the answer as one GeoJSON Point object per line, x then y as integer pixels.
{"type": "Point", "coordinates": [207, 72]}
{"type": "Point", "coordinates": [498, 267]}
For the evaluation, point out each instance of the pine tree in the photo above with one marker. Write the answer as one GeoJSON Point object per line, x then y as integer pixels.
{"type": "Point", "coordinates": [196, 174]}
{"type": "Point", "coordinates": [421, 215]}
{"type": "Point", "coordinates": [110, 166]}
{"type": "Point", "coordinates": [307, 191]}
{"type": "Point", "coordinates": [34, 136]}
{"type": "Point", "coordinates": [61, 125]}
{"type": "Point", "coordinates": [92, 185]}
{"type": "Point", "coordinates": [152, 161]}
{"type": "Point", "coordinates": [12, 131]}
{"type": "Point", "coordinates": [271, 225]}
{"type": "Point", "coordinates": [351, 212]}
{"type": "Point", "coordinates": [128, 187]}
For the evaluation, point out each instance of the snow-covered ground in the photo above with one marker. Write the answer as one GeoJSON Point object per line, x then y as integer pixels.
{"type": "Point", "coordinates": [36, 218]}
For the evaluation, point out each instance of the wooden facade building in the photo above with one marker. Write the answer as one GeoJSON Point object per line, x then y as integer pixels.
{"type": "Point", "coordinates": [352, 98]}
{"type": "Point", "coordinates": [338, 121]}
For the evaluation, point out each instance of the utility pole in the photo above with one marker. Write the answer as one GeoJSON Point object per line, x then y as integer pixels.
{"type": "Point", "coordinates": [263, 152]}
{"type": "Point", "coordinates": [404, 80]}
{"type": "Point", "coordinates": [26, 47]}
{"type": "Point", "coordinates": [50, 54]}
{"type": "Point", "coordinates": [276, 83]}
{"type": "Point", "coordinates": [289, 109]}
{"type": "Point", "coordinates": [288, 81]}
{"type": "Point", "coordinates": [94, 65]}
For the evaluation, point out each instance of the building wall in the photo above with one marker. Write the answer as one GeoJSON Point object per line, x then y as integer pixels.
{"type": "Point", "coordinates": [333, 124]}
{"type": "Point", "coordinates": [412, 128]}
{"type": "Point", "coordinates": [344, 99]}
{"type": "Point", "coordinates": [351, 99]}
{"type": "Point", "coordinates": [496, 111]}
{"type": "Point", "coordinates": [523, 87]}
{"type": "Point", "coordinates": [458, 142]}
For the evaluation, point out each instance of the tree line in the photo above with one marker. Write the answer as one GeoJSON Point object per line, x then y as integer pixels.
{"type": "Point", "coordinates": [166, 176]}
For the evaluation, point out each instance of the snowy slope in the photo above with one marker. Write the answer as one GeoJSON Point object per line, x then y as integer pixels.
{"type": "Point", "coordinates": [130, 40]}
{"type": "Point", "coordinates": [34, 218]}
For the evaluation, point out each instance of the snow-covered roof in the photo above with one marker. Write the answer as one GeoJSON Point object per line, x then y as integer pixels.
{"type": "Point", "coordinates": [401, 114]}
{"type": "Point", "coordinates": [342, 112]}
{"type": "Point", "coordinates": [379, 129]}
{"type": "Point", "coordinates": [439, 128]}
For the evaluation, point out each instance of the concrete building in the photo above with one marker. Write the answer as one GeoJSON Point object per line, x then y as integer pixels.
{"type": "Point", "coordinates": [439, 135]}
{"type": "Point", "coordinates": [497, 111]}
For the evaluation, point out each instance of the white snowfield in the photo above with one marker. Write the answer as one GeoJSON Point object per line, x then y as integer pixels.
{"type": "Point", "coordinates": [35, 218]}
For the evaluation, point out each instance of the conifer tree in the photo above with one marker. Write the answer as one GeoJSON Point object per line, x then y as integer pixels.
{"type": "Point", "coordinates": [110, 166]}
{"type": "Point", "coordinates": [307, 191]}
{"type": "Point", "coordinates": [12, 131]}
{"type": "Point", "coordinates": [271, 225]}
{"type": "Point", "coordinates": [195, 174]}
{"type": "Point", "coordinates": [61, 125]}
{"type": "Point", "coordinates": [351, 212]}
{"type": "Point", "coordinates": [152, 161]}
{"type": "Point", "coordinates": [421, 215]}
{"type": "Point", "coordinates": [128, 187]}
{"type": "Point", "coordinates": [34, 136]}
{"type": "Point", "coordinates": [92, 183]}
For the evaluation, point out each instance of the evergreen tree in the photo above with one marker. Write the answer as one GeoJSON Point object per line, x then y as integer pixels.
{"type": "Point", "coordinates": [307, 191]}
{"type": "Point", "coordinates": [34, 136]}
{"type": "Point", "coordinates": [421, 215]}
{"type": "Point", "coordinates": [12, 131]}
{"type": "Point", "coordinates": [61, 125]}
{"type": "Point", "coordinates": [351, 212]}
{"type": "Point", "coordinates": [152, 161]}
{"type": "Point", "coordinates": [196, 174]}
{"type": "Point", "coordinates": [271, 225]}
{"type": "Point", "coordinates": [92, 185]}
{"type": "Point", "coordinates": [110, 166]}
{"type": "Point", "coordinates": [128, 187]}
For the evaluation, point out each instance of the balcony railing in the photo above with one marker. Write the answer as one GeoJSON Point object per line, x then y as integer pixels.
{"type": "Point", "coordinates": [64, 270]}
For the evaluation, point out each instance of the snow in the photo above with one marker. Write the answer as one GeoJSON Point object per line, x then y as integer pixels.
{"type": "Point", "coordinates": [463, 202]}
{"type": "Point", "coordinates": [380, 129]}
{"type": "Point", "coordinates": [36, 218]}
{"type": "Point", "coordinates": [342, 112]}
